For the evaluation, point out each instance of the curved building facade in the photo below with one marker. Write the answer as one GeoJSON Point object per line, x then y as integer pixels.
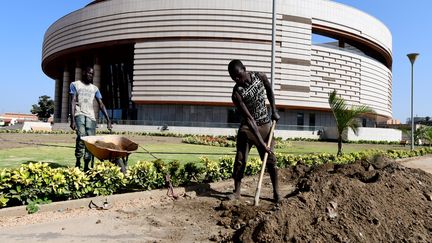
{"type": "Point", "coordinates": [165, 61]}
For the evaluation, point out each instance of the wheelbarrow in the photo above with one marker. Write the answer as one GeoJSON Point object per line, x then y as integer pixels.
{"type": "Point", "coordinates": [113, 148]}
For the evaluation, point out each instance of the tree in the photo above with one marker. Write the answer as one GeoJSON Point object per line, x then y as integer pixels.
{"type": "Point", "coordinates": [345, 117]}
{"type": "Point", "coordinates": [44, 108]}
{"type": "Point", "coordinates": [428, 135]}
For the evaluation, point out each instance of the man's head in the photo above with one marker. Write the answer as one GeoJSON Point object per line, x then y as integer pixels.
{"type": "Point", "coordinates": [88, 75]}
{"type": "Point", "coordinates": [237, 71]}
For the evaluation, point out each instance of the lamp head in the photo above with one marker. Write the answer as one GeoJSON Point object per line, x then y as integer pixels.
{"type": "Point", "coordinates": [412, 57]}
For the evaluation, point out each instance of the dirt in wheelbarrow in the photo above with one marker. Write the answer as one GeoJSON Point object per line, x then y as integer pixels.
{"type": "Point", "coordinates": [362, 202]}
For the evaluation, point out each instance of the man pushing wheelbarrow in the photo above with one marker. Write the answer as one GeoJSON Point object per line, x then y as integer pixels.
{"type": "Point", "coordinates": [256, 126]}
{"type": "Point", "coordinates": [83, 119]}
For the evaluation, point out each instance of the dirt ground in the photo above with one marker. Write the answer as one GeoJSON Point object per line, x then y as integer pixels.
{"type": "Point", "coordinates": [201, 214]}
{"type": "Point", "coordinates": [380, 201]}
{"type": "Point", "coordinates": [18, 140]}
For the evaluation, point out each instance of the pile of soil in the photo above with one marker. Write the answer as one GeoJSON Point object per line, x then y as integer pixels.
{"type": "Point", "coordinates": [108, 145]}
{"type": "Point", "coordinates": [365, 201]}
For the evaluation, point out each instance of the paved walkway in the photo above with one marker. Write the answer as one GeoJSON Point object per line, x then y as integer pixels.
{"type": "Point", "coordinates": [424, 163]}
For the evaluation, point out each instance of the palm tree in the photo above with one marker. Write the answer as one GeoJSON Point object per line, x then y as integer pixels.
{"type": "Point", "coordinates": [345, 117]}
{"type": "Point", "coordinates": [428, 135]}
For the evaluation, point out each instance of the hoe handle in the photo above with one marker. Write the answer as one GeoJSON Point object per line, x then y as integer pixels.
{"type": "Point", "coordinates": [258, 189]}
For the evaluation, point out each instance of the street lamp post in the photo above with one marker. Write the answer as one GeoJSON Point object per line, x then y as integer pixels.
{"type": "Point", "coordinates": [273, 48]}
{"type": "Point", "coordinates": [412, 57]}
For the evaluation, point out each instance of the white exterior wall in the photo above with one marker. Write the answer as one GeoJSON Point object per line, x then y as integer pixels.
{"type": "Point", "coordinates": [182, 49]}
{"type": "Point", "coordinates": [367, 133]}
{"type": "Point", "coordinates": [375, 134]}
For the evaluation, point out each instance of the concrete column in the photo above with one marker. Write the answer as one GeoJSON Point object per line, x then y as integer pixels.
{"type": "Point", "coordinates": [65, 95]}
{"type": "Point", "coordinates": [57, 99]}
{"type": "Point", "coordinates": [78, 71]}
{"type": "Point", "coordinates": [97, 83]}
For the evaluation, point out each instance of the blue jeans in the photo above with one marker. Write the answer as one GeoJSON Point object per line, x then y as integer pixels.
{"type": "Point", "coordinates": [84, 127]}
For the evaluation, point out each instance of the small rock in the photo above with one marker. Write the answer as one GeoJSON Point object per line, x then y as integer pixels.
{"type": "Point", "coordinates": [63, 228]}
{"type": "Point", "coordinates": [190, 194]}
{"type": "Point", "coordinates": [331, 212]}
{"type": "Point", "coordinates": [98, 221]}
{"type": "Point", "coordinates": [333, 204]}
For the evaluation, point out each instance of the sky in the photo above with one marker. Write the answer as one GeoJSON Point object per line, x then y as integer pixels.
{"type": "Point", "coordinates": [23, 25]}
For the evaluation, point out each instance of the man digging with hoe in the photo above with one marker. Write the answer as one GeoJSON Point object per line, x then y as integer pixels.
{"type": "Point", "coordinates": [249, 97]}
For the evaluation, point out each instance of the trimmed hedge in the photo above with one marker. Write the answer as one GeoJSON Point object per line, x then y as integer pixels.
{"type": "Point", "coordinates": [37, 182]}
{"type": "Point", "coordinates": [226, 141]}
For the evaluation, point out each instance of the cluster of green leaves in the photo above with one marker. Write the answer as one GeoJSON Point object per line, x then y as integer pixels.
{"type": "Point", "coordinates": [221, 141]}
{"type": "Point", "coordinates": [106, 179]}
{"type": "Point", "coordinates": [143, 175]}
{"type": "Point", "coordinates": [36, 183]}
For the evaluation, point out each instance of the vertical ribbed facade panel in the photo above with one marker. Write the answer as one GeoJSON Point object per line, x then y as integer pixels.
{"type": "Point", "coordinates": [169, 71]}
{"type": "Point", "coordinates": [338, 70]}
{"type": "Point", "coordinates": [376, 86]}
{"type": "Point", "coordinates": [293, 73]}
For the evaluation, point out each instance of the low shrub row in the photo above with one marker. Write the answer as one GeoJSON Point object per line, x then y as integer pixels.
{"type": "Point", "coordinates": [225, 141]}
{"type": "Point", "coordinates": [161, 134]}
{"type": "Point", "coordinates": [38, 182]}
{"type": "Point", "coordinates": [374, 142]}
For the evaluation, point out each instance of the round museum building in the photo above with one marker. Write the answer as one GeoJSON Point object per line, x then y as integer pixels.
{"type": "Point", "coordinates": [165, 61]}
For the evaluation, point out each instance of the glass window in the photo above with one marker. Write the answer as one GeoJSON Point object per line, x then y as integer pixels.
{"type": "Point", "coordinates": [312, 120]}
{"type": "Point", "coordinates": [300, 120]}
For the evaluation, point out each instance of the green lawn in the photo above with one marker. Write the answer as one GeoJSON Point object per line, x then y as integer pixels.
{"type": "Point", "coordinates": [63, 154]}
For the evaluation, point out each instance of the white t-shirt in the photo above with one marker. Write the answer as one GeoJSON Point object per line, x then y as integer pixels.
{"type": "Point", "coordinates": [85, 95]}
